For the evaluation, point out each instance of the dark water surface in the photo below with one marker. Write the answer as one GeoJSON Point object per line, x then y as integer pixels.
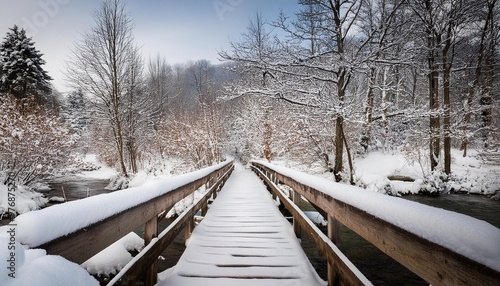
{"type": "Point", "coordinates": [478, 206]}
{"type": "Point", "coordinates": [78, 189]}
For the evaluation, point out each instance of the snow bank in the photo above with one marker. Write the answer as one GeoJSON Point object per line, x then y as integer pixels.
{"type": "Point", "coordinates": [26, 199]}
{"type": "Point", "coordinates": [38, 227]}
{"type": "Point", "coordinates": [386, 165]}
{"type": "Point", "coordinates": [463, 234]}
{"type": "Point", "coordinates": [34, 267]}
{"type": "Point", "coordinates": [98, 170]}
{"type": "Point", "coordinates": [114, 257]}
{"type": "Point", "coordinates": [469, 174]}
{"type": "Point", "coordinates": [316, 218]}
{"type": "Point", "coordinates": [372, 172]}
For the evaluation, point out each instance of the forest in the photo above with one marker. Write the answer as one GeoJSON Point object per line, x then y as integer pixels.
{"type": "Point", "coordinates": [319, 89]}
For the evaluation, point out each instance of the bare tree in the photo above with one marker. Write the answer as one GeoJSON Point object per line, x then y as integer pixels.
{"type": "Point", "coordinates": [137, 103]}
{"type": "Point", "coordinates": [102, 65]}
{"type": "Point", "coordinates": [484, 64]}
{"type": "Point", "coordinates": [287, 70]}
{"type": "Point", "coordinates": [161, 86]}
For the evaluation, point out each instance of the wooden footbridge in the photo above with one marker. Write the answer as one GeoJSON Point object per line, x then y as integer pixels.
{"type": "Point", "coordinates": [243, 238]}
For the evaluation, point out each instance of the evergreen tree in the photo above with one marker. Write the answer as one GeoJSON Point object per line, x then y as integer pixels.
{"type": "Point", "coordinates": [76, 113]}
{"type": "Point", "coordinates": [21, 65]}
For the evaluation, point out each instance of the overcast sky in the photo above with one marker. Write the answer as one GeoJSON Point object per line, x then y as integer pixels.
{"type": "Point", "coordinates": [179, 30]}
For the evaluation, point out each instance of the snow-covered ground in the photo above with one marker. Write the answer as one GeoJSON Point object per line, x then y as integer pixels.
{"type": "Point", "coordinates": [25, 199]}
{"type": "Point", "coordinates": [469, 174]}
{"type": "Point", "coordinates": [90, 168]}
{"type": "Point", "coordinates": [35, 267]}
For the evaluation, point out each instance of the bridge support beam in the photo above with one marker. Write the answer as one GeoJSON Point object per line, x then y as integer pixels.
{"type": "Point", "coordinates": [204, 209]}
{"type": "Point", "coordinates": [150, 232]}
{"type": "Point", "coordinates": [296, 226]}
{"type": "Point", "coordinates": [189, 229]}
{"type": "Point", "coordinates": [333, 232]}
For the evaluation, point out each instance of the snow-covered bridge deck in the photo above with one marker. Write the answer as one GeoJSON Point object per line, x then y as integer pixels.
{"type": "Point", "coordinates": [243, 240]}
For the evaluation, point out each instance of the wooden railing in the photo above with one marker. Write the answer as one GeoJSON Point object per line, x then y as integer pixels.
{"type": "Point", "coordinates": [432, 262]}
{"type": "Point", "coordinates": [84, 243]}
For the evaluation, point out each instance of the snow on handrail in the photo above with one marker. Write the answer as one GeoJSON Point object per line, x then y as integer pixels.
{"type": "Point", "coordinates": [41, 226]}
{"type": "Point", "coordinates": [471, 238]}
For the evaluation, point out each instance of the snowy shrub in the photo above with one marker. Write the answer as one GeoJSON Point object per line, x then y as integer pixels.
{"type": "Point", "coordinates": [195, 138]}
{"type": "Point", "coordinates": [33, 142]}
{"type": "Point", "coordinates": [26, 199]}
{"type": "Point", "coordinates": [118, 182]}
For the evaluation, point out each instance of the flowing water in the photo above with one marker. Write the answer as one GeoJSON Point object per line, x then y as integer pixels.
{"type": "Point", "coordinates": [377, 267]}
{"type": "Point", "coordinates": [78, 189]}
{"type": "Point", "coordinates": [478, 206]}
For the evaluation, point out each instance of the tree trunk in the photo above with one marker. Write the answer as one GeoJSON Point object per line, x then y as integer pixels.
{"type": "Point", "coordinates": [366, 138]}
{"type": "Point", "coordinates": [475, 83]}
{"type": "Point", "coordinates": [339, 148]}
{"type": "Point", "coordinates": [341, 85]}
{"type": "Point", "coordinates": [434, 120]}
{"type": "Point", "coordinates": [446, 69]}
{"type": "Point", "coordinates": [486, 100]}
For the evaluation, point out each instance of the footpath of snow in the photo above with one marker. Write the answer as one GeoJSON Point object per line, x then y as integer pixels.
{"type": "Point", "coordinates": [34, 267]}
{"type": "Point", "coordinates": [37, 227]}
{"type": "Point", "coordinates": [102, 173]}
{"type": "Point", "coordinates": [463, 234]}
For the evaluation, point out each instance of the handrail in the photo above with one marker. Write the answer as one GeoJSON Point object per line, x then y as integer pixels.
{"type": "Point", "coordinates": [344, 272]}
{"type": "Point", "coordinates": [88, 241]}
{"type": "Point", "coordinates": [434, 263]}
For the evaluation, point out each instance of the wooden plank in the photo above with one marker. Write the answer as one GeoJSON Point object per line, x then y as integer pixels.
{"type": "Point", "coordinates": [130, 273]}
{"type": "Point", "coordinates": [333, 232]}
{"type": "Point", "coordinates": [188, 230]}
{"type": "Point", "coordinates": [296, 225]}
{"type": "Point", "coordinates": [150, 232]}
{"type": "Point", "coordinates": [339, 263]}
{"type": "Point", "coordinates": [434, 263]}
{"type": "Point", "coordinates": [85, 243]}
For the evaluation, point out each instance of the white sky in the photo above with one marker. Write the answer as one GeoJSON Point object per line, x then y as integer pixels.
{"type": "Point", "coordinates": [179, 30]}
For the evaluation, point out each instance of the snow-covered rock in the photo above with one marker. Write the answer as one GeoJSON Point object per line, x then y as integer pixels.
{"type": "Point", "coordinates": [114, 257]}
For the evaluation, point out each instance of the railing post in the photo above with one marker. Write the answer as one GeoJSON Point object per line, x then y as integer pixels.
{"type": "Point", "coordinates": [189, 229]}
{"type": "Point", "coordinates": [214, 194]}
{"type": "Point", "coordinates": [333, 232]}
{"type": "Point", "coordinates": [296, 227]}
{"type": "Point", "coordinates": [204, 208]}
{"type": "Point", "coordinates": [150, 232]}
